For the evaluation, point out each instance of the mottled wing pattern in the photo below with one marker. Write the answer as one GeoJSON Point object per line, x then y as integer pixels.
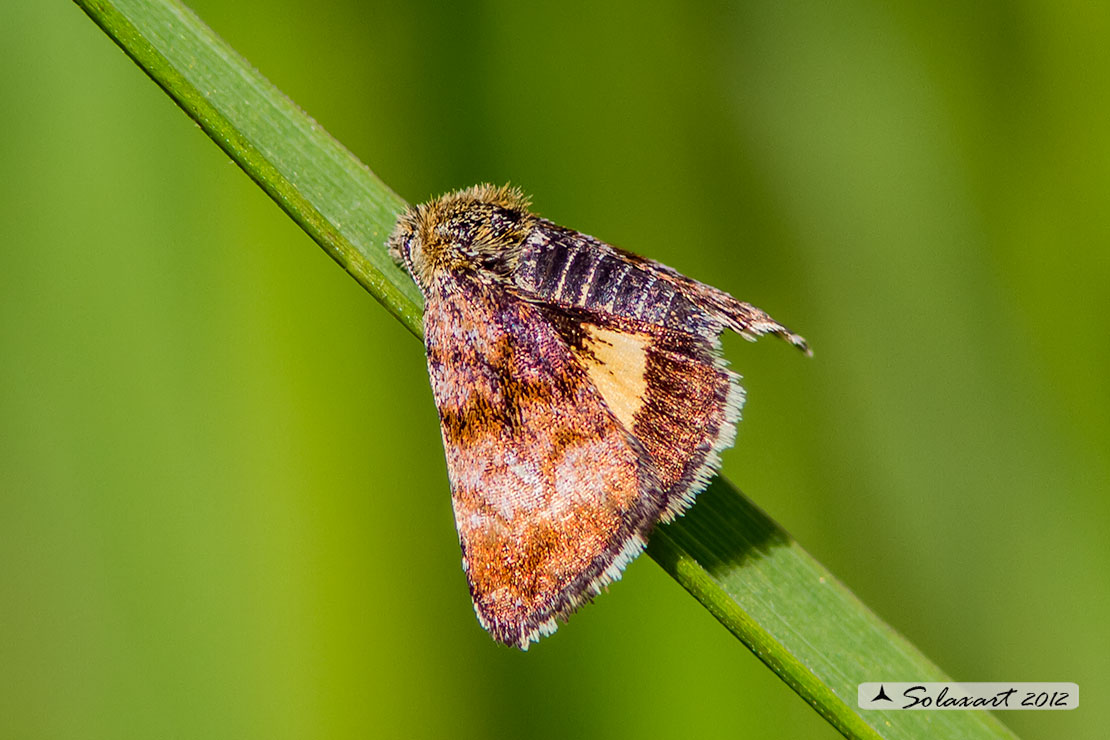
{"type": "Point", "coordinates": [552, 494]}
{"type": "Point", "coordinates": [670, 389]}
{"type": "Point", "coordinates": [686, 400]}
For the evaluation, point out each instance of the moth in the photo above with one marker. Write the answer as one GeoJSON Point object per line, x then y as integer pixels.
{"type": "Point", "coordinates": [581, 392]}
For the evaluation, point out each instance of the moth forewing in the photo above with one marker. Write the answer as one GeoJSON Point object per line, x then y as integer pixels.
{"type": "Point", "coordinates": [581, 392]}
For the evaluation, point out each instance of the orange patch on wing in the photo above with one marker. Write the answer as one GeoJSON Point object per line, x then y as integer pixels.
{"type": "Point", "coordinates": [521, 572]}
{"type": "Point", "coordinates": [545, 509]}
{"type": "Point", "coordinates": [616, 363]}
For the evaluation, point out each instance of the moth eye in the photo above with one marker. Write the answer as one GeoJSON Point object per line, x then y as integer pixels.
{"type": "Point", "coordinates": [413, 252]}
{"type": "Point", "coordinates": [492, 261]}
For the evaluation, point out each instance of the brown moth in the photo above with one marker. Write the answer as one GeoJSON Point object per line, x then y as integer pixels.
{"type": "Point", "coordinates": [582, 397]}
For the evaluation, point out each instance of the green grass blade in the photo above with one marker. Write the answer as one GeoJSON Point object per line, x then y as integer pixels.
{"type": "Point", "coordinates": [799, 619]}
{"type": "Point", "coordinates": [744, 568]}
{"type": "Point", "coordinates": [342, 205]}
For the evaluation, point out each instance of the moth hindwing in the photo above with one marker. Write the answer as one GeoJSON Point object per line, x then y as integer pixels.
{"type": "Point", "coordinates": [582, 397]}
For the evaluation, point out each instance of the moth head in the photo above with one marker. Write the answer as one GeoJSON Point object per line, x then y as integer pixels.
{"type": "Point", "coordinates": [478, 232]}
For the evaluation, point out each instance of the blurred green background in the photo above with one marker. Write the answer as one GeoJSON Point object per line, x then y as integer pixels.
{"type": "Point", "coordinates": [223, 506]}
